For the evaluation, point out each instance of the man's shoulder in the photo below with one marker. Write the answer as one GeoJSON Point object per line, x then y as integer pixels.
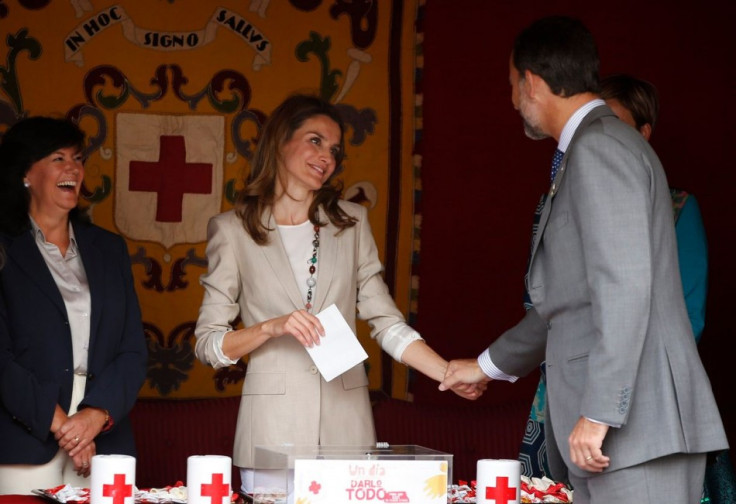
{"type": "Point", "coordinates": [610, 129]}
{"type": "Point", "coordinates": [603, 119]}
{"type": "Point", "coordinates": [612, 142]}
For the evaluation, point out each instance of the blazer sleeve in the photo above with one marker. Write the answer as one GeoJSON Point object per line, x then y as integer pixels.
{"type": "Point", "coordinates": [221, 292]}
{"type": "Point", "coordinates": [375, 304]}
{"type": "Point", "coordinates": [692, 250]}
{"type": "Point", "coordinates": [521, 349]}
{"type": "Point", "coordinates": [613, 186]}
{"type": "Point", "coordinates": [28, 400]}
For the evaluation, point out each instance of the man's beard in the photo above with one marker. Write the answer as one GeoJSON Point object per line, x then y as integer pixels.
{"type": "Point", "coordinates": [531, 125]}
{"type": "Point", "coordinates": [533, 132]}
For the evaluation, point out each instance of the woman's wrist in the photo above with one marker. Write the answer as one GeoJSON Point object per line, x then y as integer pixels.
{"type": "Point", "coordinates": [58, 420]}
{"type": "Point", "coordinates": [107, 425]}
{"type": "Point", "coordinates": [105, 418]}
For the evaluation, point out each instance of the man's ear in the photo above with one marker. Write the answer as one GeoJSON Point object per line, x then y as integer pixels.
{"type": "Point", "coordinates": [646, 131]}
{"type": "Point", "coordinates": [528, 86]}
{"type": "Point", "coordinates": [534, 85]}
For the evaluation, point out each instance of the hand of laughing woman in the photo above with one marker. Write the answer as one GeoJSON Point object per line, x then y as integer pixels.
{"type": "Point", "coordinates": [80, 430]}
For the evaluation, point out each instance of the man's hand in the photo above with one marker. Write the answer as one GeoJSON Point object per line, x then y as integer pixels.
{"type": "Point", "coordinates": [586, 440]}
{"type": "Point", "coordinates": [470, 391]}
{"type": "Point", "coordinates": [463, 371]}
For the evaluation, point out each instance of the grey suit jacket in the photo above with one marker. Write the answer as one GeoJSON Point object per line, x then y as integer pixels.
{"type": "Point", "coordinates": [285, 399]}
{"type": "Point", "coordinates": [609, 315]}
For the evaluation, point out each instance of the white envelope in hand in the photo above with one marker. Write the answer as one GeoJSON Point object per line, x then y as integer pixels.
{"type": "Point", "coordinates": [339, 349]}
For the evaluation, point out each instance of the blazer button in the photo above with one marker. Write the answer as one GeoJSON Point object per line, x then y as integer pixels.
{"type": "Point", "coordinates": [313, 369]}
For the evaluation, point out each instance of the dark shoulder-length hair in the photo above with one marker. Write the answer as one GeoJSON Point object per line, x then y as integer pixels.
{"type": "Point", "coordinates": [23, 144]}
{"type": "Point", "coordinates": [636, 95]}
{"type": "Point", "coordinates": [260, 185]}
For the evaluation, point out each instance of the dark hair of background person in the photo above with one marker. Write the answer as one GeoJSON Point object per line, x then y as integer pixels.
{"type": "Point", "coordinates": [260, 184]}
{"type": "Point", "coordinates": [636, 95]}
{"type": "Point", "coordinates": [561, 51]}
{"type": "Point", "coordinates": [22, 145]}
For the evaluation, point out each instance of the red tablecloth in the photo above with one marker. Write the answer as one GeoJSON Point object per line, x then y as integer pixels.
{"type": "Point", "coordinates": [21, 499]}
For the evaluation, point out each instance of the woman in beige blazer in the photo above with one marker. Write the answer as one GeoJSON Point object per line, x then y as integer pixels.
{"type": "Point", "coordinates": [288, 250]}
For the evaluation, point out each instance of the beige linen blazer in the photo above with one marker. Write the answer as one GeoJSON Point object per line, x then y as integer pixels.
{"type": "Point", "coordinates": [285, 399]}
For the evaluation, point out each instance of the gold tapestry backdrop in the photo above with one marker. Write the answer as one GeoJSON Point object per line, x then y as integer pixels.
{"type": "Point", "coordinates": [172, 95]}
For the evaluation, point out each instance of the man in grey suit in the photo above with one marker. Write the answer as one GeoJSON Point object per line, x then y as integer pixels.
{"type": "Point", "coordinates": [630, 410]}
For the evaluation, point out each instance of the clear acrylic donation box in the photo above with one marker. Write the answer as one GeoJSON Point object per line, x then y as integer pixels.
{"type": "Point", "coordinates": [351, 474]}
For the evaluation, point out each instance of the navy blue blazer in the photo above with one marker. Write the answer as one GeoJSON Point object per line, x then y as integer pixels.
{"type": "Point", "coordinates": [36, 363]}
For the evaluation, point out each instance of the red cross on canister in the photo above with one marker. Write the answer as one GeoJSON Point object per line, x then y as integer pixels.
{"type": "Point", "coordinates": [209, 479]}
{"type": "Point", "coordinates": [498, 481]}
{"type": "Point", "coordinates": [112, 479]}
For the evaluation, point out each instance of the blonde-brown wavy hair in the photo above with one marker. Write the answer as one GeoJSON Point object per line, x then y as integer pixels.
{"type": "Point", "coordinates": [260, 184]}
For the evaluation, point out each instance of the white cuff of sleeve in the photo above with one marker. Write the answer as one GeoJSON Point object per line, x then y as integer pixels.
{"type": "Point", "coordinates": [490, 369]}
{"type": "Point", "coordinates": [602, 423]}
{"type": "Point", "coordinates": [222, 359]}
{"type": "Point", "coordinates": [397, 338]}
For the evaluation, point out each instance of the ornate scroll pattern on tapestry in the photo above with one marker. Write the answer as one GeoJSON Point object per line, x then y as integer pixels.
{"type": "Point", "coordinates": [172, 100]}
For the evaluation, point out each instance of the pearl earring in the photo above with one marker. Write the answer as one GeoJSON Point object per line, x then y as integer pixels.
{"type": "Point", "coordinates": [26, 184]}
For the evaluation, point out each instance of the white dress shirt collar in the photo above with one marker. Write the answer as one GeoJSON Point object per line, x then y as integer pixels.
{"type": "Point", "coordinates": [572, 124]}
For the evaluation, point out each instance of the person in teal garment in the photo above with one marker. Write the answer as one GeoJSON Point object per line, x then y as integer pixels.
{"type": "Point", "coordinates": [636, 102]}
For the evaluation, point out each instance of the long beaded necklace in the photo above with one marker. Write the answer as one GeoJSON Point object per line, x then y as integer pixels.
{"type": "Point", "coordinates": [312, 262]}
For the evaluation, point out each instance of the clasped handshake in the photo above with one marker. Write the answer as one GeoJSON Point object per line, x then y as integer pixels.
{"type": "Point", "coordinates": [465, 378]}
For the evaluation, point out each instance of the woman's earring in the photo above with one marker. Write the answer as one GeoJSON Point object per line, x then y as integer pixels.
{"type": "Point", "coordinates": [26, 184]}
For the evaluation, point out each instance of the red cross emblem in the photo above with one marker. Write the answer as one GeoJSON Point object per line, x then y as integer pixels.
{"type": "Point", "coordinates": [170, 178]}
{"type": "Point", "coordinates": [118, 490]}
{"type": "Point", "coordinates": [501, 493]}
{"type": "Point", "coordinates": [217, 490]}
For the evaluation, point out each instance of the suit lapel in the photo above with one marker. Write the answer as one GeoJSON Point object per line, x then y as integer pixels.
{"type": "Point", "coordinates": [594, 114]}
{"type": "Point", "coordinates": [275, 255]}
{"type": "Point", "coordinates": [543, 218]}
{"type": "Point", "coordinates": [93, 262]}
{"type": "Point", "coordinates": [326, 261]}
{"type": "Point", "coordinates": [24, 251]}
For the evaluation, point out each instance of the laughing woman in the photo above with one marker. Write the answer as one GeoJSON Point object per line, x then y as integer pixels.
{"type": "Point", "coordinates": [72, 349]}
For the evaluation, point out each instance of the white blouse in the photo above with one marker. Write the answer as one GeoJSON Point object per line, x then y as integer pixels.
{"type": "Point", "coordinates": [71, 280]}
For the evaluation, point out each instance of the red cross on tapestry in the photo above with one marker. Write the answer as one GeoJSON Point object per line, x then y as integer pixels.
{"type": "Point", "coordinates": [169, 176]}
